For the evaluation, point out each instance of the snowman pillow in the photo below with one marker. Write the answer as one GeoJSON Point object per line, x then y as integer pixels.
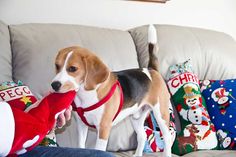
{"type": "Point", "coordinates": [220, 96]}
{"type": "Point", "coordinates": [197, 131]}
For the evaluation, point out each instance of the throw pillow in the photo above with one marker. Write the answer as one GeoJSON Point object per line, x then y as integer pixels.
{"type": "Point", "coordinates": [220, 96]}
{"type": "Point", "coordinates": [197, 131]}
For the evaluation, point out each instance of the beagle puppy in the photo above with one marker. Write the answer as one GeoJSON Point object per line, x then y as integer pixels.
{"type": "Point", "coordinates": [104, 98]}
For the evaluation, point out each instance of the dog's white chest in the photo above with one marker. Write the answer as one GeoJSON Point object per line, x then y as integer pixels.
{"type": "Point", "coordinates": [86, 99]}
{"type": "Point", "coordinates": [94, 117]}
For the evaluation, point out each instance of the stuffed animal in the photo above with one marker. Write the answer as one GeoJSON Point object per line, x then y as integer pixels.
{"type": "Point", "coordinates": [22, 130]}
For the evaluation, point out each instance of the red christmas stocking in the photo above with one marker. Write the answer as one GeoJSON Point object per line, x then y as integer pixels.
{"type": "Point", "coordinates": [22, 131]}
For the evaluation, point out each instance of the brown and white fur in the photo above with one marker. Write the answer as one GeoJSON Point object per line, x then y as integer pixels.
{"type": "Point", "coordinates": [144, 91]}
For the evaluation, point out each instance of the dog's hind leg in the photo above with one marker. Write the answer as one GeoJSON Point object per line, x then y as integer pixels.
{"type": "Point", "coordinates": [137, 121]}
{"type": "Point", "coordinates": [164, 129]}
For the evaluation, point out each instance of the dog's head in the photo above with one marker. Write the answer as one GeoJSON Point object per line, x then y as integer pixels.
{"type": "Point", "coordinates": [76, 66]}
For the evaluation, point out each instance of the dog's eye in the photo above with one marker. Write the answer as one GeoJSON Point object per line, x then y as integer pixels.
{"type": "Point", "coordinates": [72, 69]}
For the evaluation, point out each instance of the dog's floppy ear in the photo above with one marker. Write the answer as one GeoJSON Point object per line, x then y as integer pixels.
{"type": "Point", "coordinates": [96, 72]}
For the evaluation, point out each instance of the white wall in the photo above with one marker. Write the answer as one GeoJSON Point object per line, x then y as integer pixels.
{"type": "Point", "coordinates": [212, 14]}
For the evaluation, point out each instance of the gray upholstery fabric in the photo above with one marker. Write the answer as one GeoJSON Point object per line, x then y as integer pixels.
{"type": "Point", "coordinates": [131, 153]}
{"type": "Point", "coordinates": [5, 54]}
{"type": "Point", "coordinates": [205, 153]}
{"type": "Point", "coordinates": [140, 38]}
{"type": "Point", "coordinates": [34, 47]}
{"type": "Point", "coordinates": [212, 153]}
{"type": "Point", "coordinates": [212, 53]}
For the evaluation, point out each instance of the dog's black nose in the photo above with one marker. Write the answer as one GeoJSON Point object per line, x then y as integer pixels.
{"type": "Point", "coordinates": [56, 85]}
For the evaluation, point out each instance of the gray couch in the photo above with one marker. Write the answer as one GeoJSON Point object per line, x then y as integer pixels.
{"type": "Point", "coordinates": [27, 53]}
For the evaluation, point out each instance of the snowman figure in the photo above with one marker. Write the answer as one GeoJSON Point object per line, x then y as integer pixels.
{"type": "Point", "coordinates": [224, 140]}
{"type": "Point", "coordinates": [220, 95]}
{"type": "Point", "coordinates": [195, 113]}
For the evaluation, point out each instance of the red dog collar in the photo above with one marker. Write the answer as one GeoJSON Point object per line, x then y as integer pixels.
{"type": "Point", "coordinates": [81, 110]}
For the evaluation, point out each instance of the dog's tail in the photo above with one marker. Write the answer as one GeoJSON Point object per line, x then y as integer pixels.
{"type": "Point", "coordinates": [152, 48]}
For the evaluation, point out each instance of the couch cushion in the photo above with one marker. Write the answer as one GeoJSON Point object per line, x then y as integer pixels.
{"type": "Point", "coordinates": [5, 54]}
{"type": "Point", "coordinates": [213, 53]}
{"type": "Point", "coordinates": [34, 47]}
{"type": "Point", "coordinates": [212, 153]}
{"type": "Point", "coordinates": [131, 153]}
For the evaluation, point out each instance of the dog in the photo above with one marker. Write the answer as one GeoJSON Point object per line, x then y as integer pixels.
{"type": "Point", "coordinates": [104, 98]}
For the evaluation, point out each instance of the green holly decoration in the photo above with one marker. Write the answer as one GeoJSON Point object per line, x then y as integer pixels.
{"type": "Point", "coordinates": [48, 142]}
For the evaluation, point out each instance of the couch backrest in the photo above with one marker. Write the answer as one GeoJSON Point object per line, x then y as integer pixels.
{"type": "Point", "coordinates": [212, 53]}
{"type": "Point", "coordinates": [34, 47]}
{"type": "Point", "coordinates": [5, 54]}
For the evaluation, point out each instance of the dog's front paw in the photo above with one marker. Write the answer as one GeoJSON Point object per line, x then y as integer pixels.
{"type": "Point", "coordinates": [101, 144]}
